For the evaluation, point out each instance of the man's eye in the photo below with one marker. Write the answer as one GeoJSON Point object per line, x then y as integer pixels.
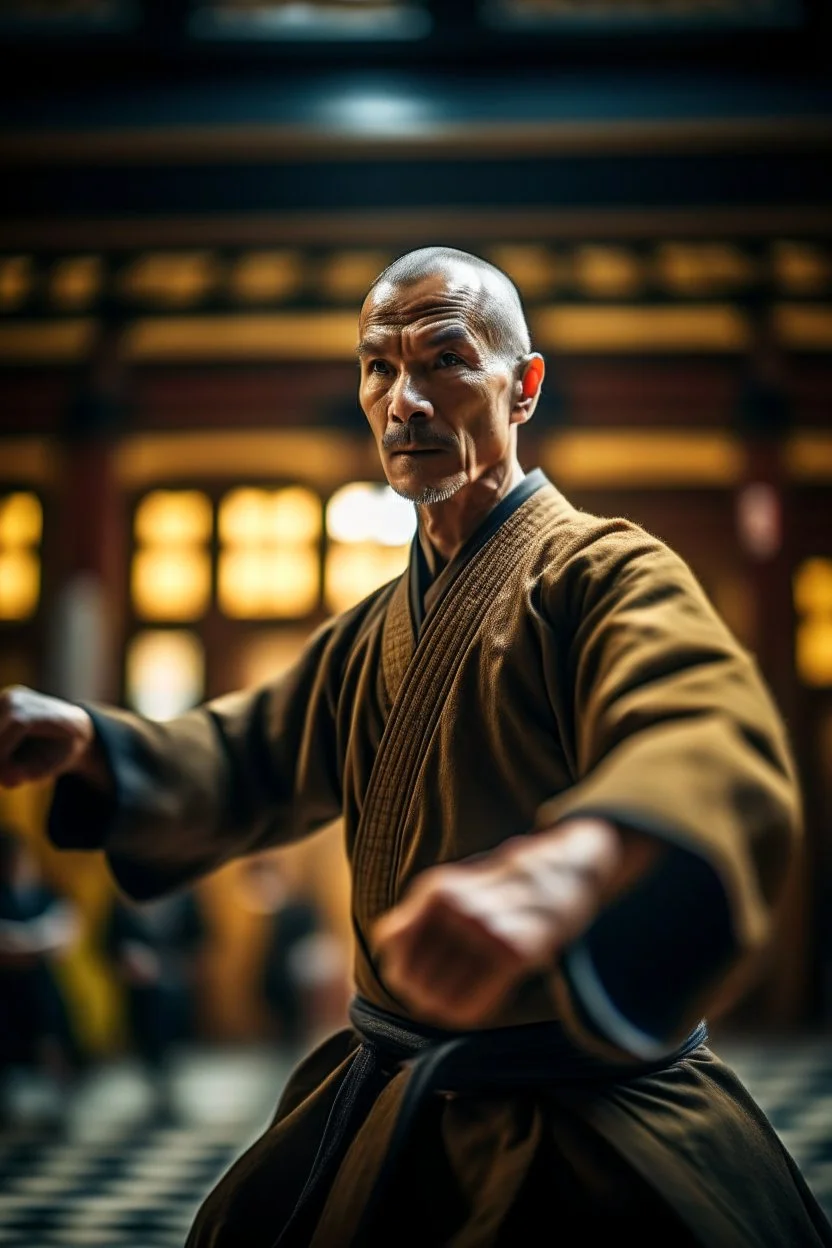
{"type": "Point", "coordinates": [449, 358]}
{"type": "Point", "coordinates": [379, 366]}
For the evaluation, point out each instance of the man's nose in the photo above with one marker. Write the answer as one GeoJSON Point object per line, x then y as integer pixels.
{"type": "Point", "coordinates": [407, 399]}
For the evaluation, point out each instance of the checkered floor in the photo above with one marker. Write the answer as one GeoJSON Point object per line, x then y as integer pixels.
{"type": "Point", "coordinates": [113, 1178]}
{"type": "Point", "coordinates": [792, 1081]}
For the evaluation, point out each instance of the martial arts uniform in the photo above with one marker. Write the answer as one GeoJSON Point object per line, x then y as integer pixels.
{"type": "Point", "coordinates": [561, 664]}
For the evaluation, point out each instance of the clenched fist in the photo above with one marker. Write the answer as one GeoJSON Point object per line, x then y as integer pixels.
{"type": "Point", "coordinates": [466, 934]}
{"type": "Point", "coordinates": [42, 737]}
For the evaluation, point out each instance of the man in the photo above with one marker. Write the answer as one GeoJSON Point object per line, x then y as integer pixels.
{"type": "Point", "coordinates": [303, 975]}
{"type": "Point", "coordinates": [569, 806]}
{"type": "Point", "coordinates": [38, 928]}
{"type": "Point", "coordinates": [154, 951]}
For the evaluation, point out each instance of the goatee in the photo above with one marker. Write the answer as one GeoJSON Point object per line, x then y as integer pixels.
{"type": "Point", "coordinates": [430, 494]}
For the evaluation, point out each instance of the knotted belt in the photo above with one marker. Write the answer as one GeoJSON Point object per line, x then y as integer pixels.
{"type": "Point", "coordinates": [533, 1055]}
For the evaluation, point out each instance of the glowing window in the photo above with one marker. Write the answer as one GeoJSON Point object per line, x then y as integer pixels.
{"type": "Point", "coordinates": [165, 672]}
{"type": "Point", "coordinates": [21, 520]}
{"type": "Point", "coordinates": [259, 277]}
{"type": "Point", "coordinates": [76, 281]}
{"type": "Point", "coordinates": [370, 529]}
{"type": "Point", "coordinates": [607, 271]}
{"type": "Point", "coordinates": [813, 640]}
{"type": "Point", "coordinates": [533, 268]}
{"type": "Point", "coordinates": [366, 512]}
{"type": "Point", "coordinates": [698, 268]}
{"type": "Point", "coordinates": [801, 268]}
{"type": "Point", "coordinates": [269, 564]}
{"type": "Point", "coordinates": [16, 276]}
{"type": "Point", "coordinates": [174, 278]}
{"type": "Point", "coordinates": [21, 526]}
{"type": "Point", "coordinates": [258, 584]}
{"type": "Point", "coordinates": [179, 517]}
{"type": "Point", "coordinates": [171, 570]}
{"type": "Point", "coordinates": [348, 274]}
{"type": "Point", "coordinates": [171, 584]}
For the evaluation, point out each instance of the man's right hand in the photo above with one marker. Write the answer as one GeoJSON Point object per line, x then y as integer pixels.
{"type": "Point", "coordinates": [42, 737]}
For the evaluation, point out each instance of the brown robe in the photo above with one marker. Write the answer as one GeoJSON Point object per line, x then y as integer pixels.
{"type": "Point", "coordinates": [565, 664]}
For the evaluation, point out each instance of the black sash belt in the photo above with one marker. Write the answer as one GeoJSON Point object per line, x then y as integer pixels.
{"type": "Point", "coordinates": [530, 1056]}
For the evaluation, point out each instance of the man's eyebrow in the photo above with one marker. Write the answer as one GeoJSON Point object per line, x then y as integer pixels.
{"type": "Point", "coordinates": [376, 345]}
{"type": "Point", "coordinates": [371, 346]}
{"type": "Point", "coordinates": [449, 333]}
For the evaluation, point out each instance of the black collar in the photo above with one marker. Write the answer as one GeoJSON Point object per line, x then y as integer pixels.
{"type": "Point", "coordinates": [420, 574]}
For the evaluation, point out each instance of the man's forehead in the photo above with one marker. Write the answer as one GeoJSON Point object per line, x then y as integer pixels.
{"type": "Point", "coordinates": [448, 277]}
{"type": "Point", "coordinates": [442, 294]}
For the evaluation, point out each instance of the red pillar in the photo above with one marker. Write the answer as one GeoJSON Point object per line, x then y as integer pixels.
{"type": "Point", "coordinates": [765, 533]}
{"type": "Point", "coordinates": [85, 623]}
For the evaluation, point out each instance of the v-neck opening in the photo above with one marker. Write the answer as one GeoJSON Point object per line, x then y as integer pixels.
{"type": "Point", "coordinates": [419, 577]}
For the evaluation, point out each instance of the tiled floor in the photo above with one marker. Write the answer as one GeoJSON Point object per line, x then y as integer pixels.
{"type": "Point", "coordinates": [115, 1176]}
{"type": "Point", "coordinates": [792, 1081]}
{"type": "Point", "coordinates": [118, 1180]}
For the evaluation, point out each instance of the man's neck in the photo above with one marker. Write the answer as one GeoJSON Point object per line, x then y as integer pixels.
{"type": "Point", "coordinates": [445, 527]}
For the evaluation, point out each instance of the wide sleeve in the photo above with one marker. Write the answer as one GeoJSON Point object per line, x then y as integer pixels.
{"type": "Point", "coordinates": [673, 734]}
{"type": "Point", "coordinates": [246, 771]}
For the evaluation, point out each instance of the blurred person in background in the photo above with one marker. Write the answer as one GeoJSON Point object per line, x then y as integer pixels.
{"type": "Point", "coordinates": [154, 950]}
{"type": "Point", "coordinates": [570, 809]}
{"type": "Point", "coordinates": [38, 927]}
{"type": "Point", "coordinates": [303, 976]}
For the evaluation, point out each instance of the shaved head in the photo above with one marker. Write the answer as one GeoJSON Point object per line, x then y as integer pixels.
{"type": "Point", "coordinates": [447, 375]}
{"type": "Point", "coordinates": [499, 309]}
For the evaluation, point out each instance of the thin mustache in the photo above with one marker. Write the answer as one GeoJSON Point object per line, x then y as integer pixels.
{"type": "Point", "coordinates": [395, 438]}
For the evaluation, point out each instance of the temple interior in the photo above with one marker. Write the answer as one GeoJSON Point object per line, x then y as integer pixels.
{"type": "Point", "coordinates": [197, 194]}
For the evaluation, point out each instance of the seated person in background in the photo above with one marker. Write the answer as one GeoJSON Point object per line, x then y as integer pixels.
{"type": "Point", "coordinates": [303, 975]}
{"type": "Point", "coordinates": [37, 927]}
{"type": "Point", "coordinates": [153, 949]}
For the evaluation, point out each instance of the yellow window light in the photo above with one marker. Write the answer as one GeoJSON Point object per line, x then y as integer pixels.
{"type": "Point", "coordinates": [813, 587]}
{"type": "Point", "coordinates": [264, 276]}
{"type": "Point", "coordinates": [695, 268]}
{"type": "Point", "coordinates": [347, 274]}
{"type": "Point", "coordinates": [16, 277]}
{"type": "Point", "coordinates": [243, 517]}
{"type": "Point", "coordinates": [171, 584]}
{"type": "Point", "coordinates": [269, 566]}
{"type": "Point", "coordinates": [366, 512]}
{"type": "Point", "coordinates": [263, 582]}
{"type": "Point", "coordinates": [76, 281]}
{"type": "Point", "coordinates": [814, 651]}
{"type": "Point", "coordinates": [290, 516]}
{"type": "Point", "coordinates": [608, 271]}
{"type": "Point", "coordinates": [296, 516]}
{"type": "Point", "coordinates": [174, 278]}
{"type": "Point", "coordinates": [354, 571]}
{"type": "Point", "coordinates": [164, 672]}
{"type": "Point", "coordinates": [21, 520]}
{"type": "Point", "coordinates": [533, 268]}
{"type": "Point", "coordinates": [801, 268]}
{"type": "Point", "coordinates": [173, 517]}
{"type": "Point", "coordinates": [19, 584]}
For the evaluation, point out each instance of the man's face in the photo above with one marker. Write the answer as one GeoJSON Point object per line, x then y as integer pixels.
{"type": "Point", "coordinates": [434, 387]}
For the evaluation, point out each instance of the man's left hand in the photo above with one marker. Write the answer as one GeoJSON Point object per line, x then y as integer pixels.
{"type": "Point", "coordinates": [466, 934]}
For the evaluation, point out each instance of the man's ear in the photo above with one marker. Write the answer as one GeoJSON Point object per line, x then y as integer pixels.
{"type": "Point", "coordinates": [527, 386]}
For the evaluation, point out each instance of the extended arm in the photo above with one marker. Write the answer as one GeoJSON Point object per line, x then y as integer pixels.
{"type": "Point", "coordinates": [171, 801]}
{"type": "Point", "coordinates": [677, 740]}
{"type": "Point", "coordinates": [653, 879]}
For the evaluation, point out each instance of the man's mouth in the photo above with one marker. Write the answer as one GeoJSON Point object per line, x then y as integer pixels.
{"type": "Point", "coordinates": [419, 450]}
